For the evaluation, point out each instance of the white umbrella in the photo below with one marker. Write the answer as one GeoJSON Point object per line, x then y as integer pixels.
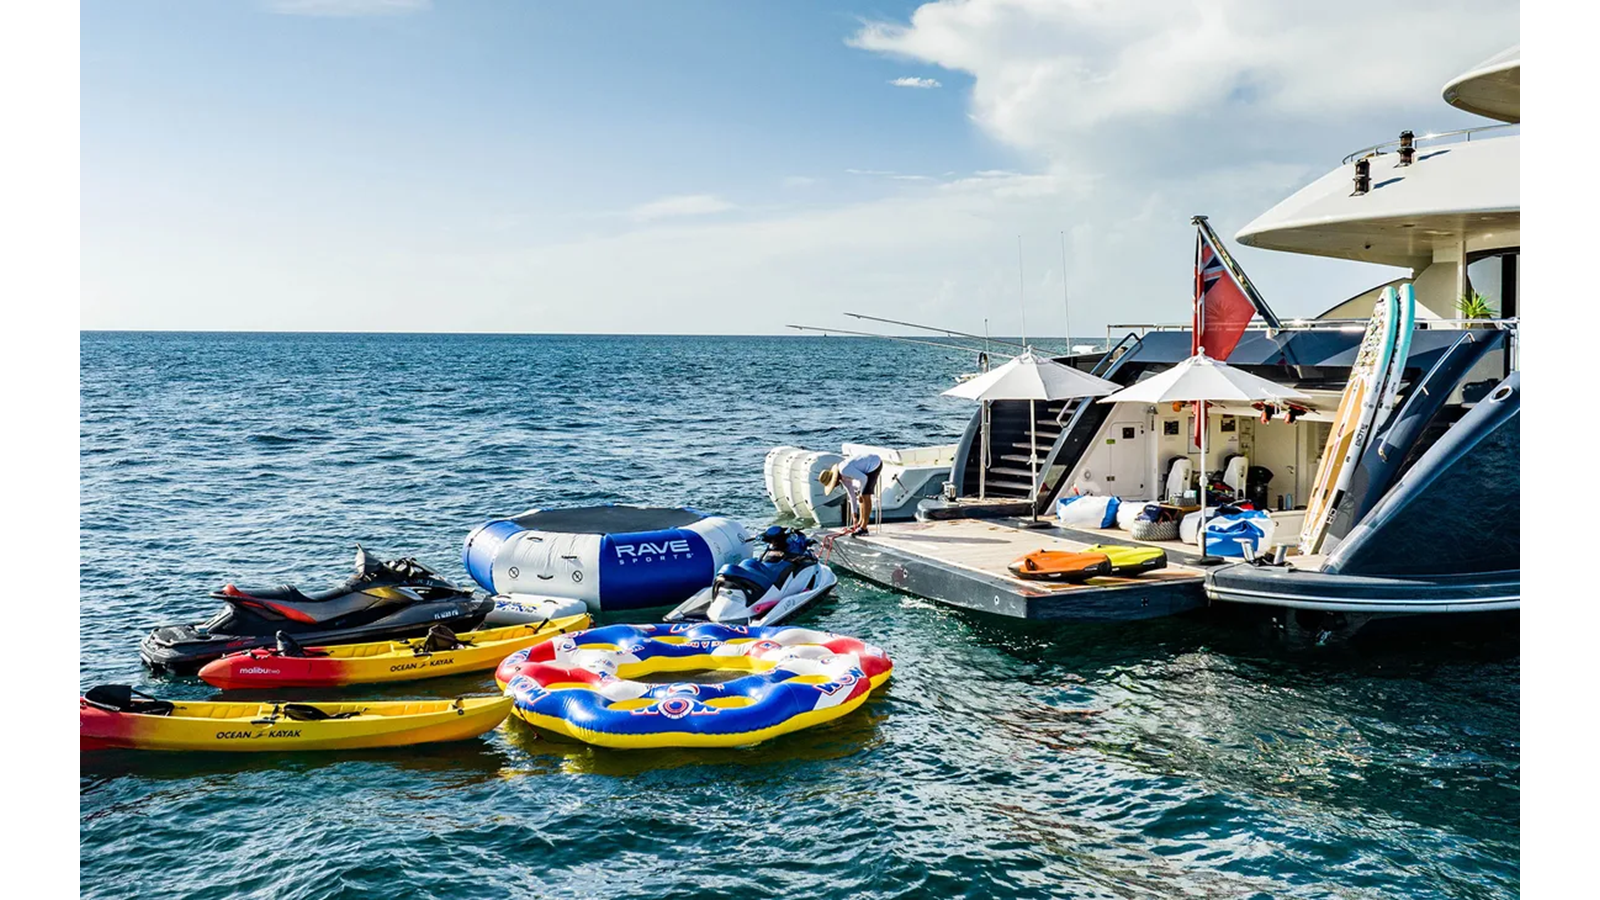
{"type": "Point", "coordinates": [1031, 378]}
{"type": "Point", "coordinates": [1203, 379]}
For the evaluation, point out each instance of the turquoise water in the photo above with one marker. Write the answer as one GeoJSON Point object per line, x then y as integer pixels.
{"type": "Point", "coordinates": [1176, 758]}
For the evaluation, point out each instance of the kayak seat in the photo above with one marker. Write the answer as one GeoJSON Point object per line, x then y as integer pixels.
{"type": "Point", "coordinates": [288, 646]}
{"type": "Point", "coordinates": [440, 638]}
{"type": "Point", "coordinates": [123, 698]}
{"type": "Point", "coordinates": [304, 712]}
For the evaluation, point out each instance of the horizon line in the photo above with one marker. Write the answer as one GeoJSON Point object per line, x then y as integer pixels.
{"type": "Point", "coordinates": [784, 334]}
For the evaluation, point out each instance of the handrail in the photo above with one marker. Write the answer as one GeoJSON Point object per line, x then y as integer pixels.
{"type": "Point", "coordinates": [1511, 324]}
{"type": "Point", "coordinates": [1107, 359]}
{"type": "Point", "coordinates": [1108, 356]}
{"type": "Point", "coordinates": [1465, 134]}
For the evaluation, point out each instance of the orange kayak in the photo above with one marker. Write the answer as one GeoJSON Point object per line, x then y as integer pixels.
{"type": "Point", "coordinates": [1061, 565]}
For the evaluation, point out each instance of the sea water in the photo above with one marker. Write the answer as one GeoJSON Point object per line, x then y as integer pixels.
{"type": "Point", "coordinates": [1184, 757]}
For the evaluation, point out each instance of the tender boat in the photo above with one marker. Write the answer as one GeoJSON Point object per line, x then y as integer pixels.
{"type": "Point", "coordinates": [909, 476]}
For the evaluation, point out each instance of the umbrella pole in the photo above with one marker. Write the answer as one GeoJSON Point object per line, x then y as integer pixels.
{"type": "Point", "coordinates": [1033, 459]}
{"type": "Point", "coordinates": [1205, 429]}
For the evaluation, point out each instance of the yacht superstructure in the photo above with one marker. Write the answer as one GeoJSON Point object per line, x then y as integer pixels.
{"type": "Point", "coordinates": [1432, 522]}
{"type": "Point", "coordinates": [1429, 521]}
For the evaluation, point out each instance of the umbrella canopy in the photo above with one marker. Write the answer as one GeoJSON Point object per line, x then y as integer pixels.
{"type": "Point", "coordinates": [1202, 378]}
{"type": "Point", "coordinates": [1030, 377]}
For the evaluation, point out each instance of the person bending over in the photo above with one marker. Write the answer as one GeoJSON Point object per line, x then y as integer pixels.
{"type": "Point", "coordinates": [859, 474]}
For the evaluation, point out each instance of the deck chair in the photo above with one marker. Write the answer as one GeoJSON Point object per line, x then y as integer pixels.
{"type": "Point", "coordinates": [1236, 474]}
{"type": "Point", "coordinates": [1178, 473]}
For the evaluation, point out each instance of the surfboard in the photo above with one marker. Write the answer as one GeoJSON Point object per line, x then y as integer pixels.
{"type": "Point", "coordinates": [1397, 360]}
{"type": "Point", "coordinates": [1358, 408]}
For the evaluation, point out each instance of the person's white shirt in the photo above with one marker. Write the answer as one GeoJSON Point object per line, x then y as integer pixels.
{"type": "Point", "coordinates": [853, 474]}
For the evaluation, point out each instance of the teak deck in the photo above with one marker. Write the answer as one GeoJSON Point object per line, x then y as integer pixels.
{"type": "Point", "coordinates": [962, 562]}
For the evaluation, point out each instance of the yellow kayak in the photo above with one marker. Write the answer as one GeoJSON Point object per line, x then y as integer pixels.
{"type": "Point", "coordinates": [381, 661]}
{"type": "Point", "coordinates": [242, 727]}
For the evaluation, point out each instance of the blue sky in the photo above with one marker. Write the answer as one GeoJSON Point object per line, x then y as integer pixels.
{"type": "Point", "coordinates": [715, 166]}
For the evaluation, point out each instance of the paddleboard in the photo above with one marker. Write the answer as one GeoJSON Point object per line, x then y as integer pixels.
{"type": "Point", "coordinates": [1397, 360]}
{"type": "Point", "coordinates": [1358, 408]}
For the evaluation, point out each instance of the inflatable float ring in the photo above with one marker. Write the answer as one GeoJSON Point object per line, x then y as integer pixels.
{"type": "Point", "coordinates": [578, 685]}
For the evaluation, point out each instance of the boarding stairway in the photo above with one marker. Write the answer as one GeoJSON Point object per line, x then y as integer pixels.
{"type": "Point", "coordinates": [1008, 475]}
{"type": "Point", "coordinates": [1063, 429]}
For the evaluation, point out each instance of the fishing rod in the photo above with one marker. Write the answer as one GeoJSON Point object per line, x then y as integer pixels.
{"type": "Point", "coordinates": [944, 331]}
{"type": "Point", "coordinates": [889, 337]}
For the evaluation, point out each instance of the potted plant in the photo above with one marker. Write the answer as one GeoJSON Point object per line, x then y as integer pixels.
{"type": "Point", "coordinates": [1474, 305]}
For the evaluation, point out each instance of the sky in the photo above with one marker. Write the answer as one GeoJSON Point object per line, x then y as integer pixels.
{"type": "Point", "coordinates": [715, 166]}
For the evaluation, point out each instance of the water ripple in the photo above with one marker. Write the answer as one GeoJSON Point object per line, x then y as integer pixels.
{"type": "Point", "coordinates": [1179, 758]}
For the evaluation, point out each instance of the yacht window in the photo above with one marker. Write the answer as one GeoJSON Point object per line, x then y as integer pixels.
{"type": "Point", "coordinates": [1494, 275]}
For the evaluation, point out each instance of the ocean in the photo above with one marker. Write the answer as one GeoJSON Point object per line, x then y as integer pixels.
{"type": "Point", "coordinates": [1187, 757]}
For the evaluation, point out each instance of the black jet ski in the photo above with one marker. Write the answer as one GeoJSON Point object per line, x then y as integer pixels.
{"type": "Point", "coordinates": [391, 600]}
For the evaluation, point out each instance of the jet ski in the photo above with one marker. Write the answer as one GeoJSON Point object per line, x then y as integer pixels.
{"type": "Point", "coordinates": [401, 598]}
{"type": "Point", "coordinates": [767, 589]}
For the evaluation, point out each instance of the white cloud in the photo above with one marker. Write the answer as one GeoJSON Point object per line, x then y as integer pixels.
{"type": "Point", "coordinates": [909, 82]}
{"type": "Point", "coordinates": [1140, 82]}
{"type": "Point", "coordinates": [679, 205]}
{"type": "Point", "coordinates": [348, 8]}
{"type": "Point", "coordinates": [892, 175]}
{"type": "Point", "coordinates": [1117, 122]}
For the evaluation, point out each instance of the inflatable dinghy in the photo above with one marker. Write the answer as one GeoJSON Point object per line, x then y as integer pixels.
{"type": "Point", "coordinates": [1129, 561]}
{"type": "Point", "coordinates": [1061, 565]}
{"type": "Point", "coordinates": [544, 562]}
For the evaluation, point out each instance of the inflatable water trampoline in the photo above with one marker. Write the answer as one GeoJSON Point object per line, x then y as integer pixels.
{"type": "Point", "coordinates": [547, 563]}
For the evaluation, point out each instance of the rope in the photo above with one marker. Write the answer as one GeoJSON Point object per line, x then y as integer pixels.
{"type": "Point", "coordinates": [827, 544]}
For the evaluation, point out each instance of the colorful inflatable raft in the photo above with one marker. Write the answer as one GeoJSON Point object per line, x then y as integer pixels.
{"type": "Point", "coordinates": [115, 717]}
{"type": "Point", "coordinates": [579, 685]}
{"type": "Point", "coordinates": [424, 657]}
{"type": "Point", "coordinates": [1060, 565]}
{"type": "Point", "coordinates": [1128, 561]}
{"type": "Point", "coordinates": [1097, 561]}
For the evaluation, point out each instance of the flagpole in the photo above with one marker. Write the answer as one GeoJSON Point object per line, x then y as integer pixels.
{"type": "Point", "coordinates": [1204, 440]}
{"type": "Point", "coordinates": [1195, 347]}
{"type": "Point", "coordinates": [1239, 278]}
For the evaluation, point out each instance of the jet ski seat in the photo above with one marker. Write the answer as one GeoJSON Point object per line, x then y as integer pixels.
{"type": "Point", "coordinates": [286, 593]}
{"type": "Point", "coordinates": [759, 574]}
{"type": "Point", "coordinates": [289, 602]}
